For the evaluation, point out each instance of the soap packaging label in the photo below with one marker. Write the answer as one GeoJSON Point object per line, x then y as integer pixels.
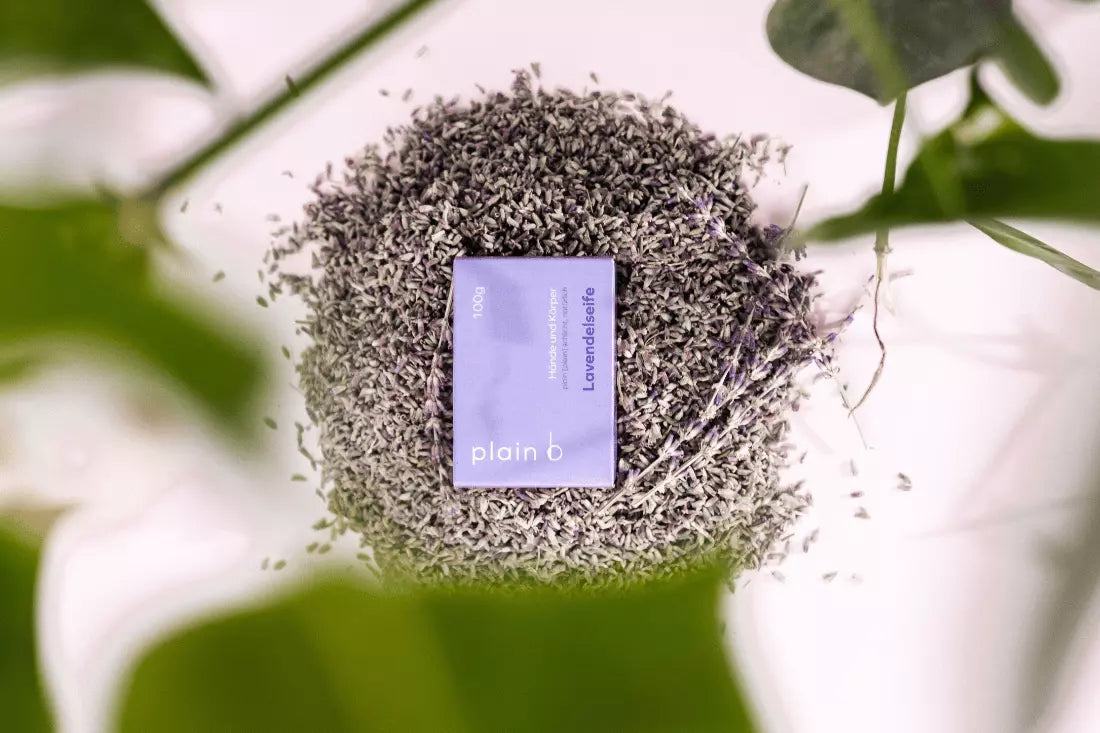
{"type": "Point", "coordinates": [534, 372]}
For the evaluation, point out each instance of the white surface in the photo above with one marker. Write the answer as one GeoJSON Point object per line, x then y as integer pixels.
{"type": "Point", "coordinates": [987, 401]}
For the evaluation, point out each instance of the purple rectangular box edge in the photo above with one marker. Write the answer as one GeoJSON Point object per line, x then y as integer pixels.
{"type": "Point", "coordinates": [534, 380]}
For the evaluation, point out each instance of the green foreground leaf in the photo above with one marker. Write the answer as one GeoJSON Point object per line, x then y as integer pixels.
{"type": "Point", "coordinates": [986, 166]}
{"type": "Point", "coordinates": [1026, 244]}
{"type": "Point", "coordinates": [22, 702]}
{"type": "Point", "coordinates": [84, 35]}
{"type": "Point", "coordinates": [339, 657]}
{"type": "Point", "coordinates": [882, 48]}
{"type": "Point", "coordinates": [65, 272]}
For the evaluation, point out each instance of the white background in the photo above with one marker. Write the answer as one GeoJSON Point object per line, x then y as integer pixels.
{"type": "Point", "coordinates": [944, 598]}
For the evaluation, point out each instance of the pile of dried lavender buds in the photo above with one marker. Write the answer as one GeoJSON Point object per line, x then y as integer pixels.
{"type": "Point", "coordinates": [714, 325]}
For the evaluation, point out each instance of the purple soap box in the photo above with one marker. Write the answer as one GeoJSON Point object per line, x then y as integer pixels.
{"type": "Point", "coordinates": [534, 372]}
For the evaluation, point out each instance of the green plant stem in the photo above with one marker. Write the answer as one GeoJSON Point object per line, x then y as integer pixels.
{"type": "Point", "coordinates": [867, 31]}
{"type": "Point", "coordinates": [882, 237]}
{"type": "Point", "coordinates": [889, 176]}
{"type": "Point", "coordinates": [370, 36]}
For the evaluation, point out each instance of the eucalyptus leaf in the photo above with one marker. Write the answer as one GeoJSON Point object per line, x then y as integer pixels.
{"type": "Point", "coordinates": [340, 657]}
{"type": "Point", "coordinates": [66, 272]}
{"type": "Point", "coordinates": [882, 48]}
{"type": "Point", "coordinates": [87, 35]}
{"type": "Point", "coordinates": [1024, 243]}
{"type": "Point", "coordinates": [986, 166]}
{"type": "Point", "coordinates": [1025, 63]}
{"type": "Point", "coordinates": [22, 699]}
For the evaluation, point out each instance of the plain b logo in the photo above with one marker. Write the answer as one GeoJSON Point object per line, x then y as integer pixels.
{"type": "Point", "coordinates": [553, 452]}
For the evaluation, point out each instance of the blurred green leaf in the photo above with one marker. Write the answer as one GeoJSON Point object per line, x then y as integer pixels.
{"type": "Point", "coordinates": [882, 48]}
{"type": "Point", "coordinates": [22, 700]}
{"type": "Point", "coordinates": [1024, 243]}
{"type": "Point", "coordinates": [66, 272]}
{"type": "Point", "coordinates": [17, 368]}
{"type": "Point", "coordinates": [1025, 63]}
{"type": "Point", "coordinates": [984, 166]}
{"type": "Point", "coordinates": [339, 657]}
{"type": "Point", "coordinates": [82, 35]}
